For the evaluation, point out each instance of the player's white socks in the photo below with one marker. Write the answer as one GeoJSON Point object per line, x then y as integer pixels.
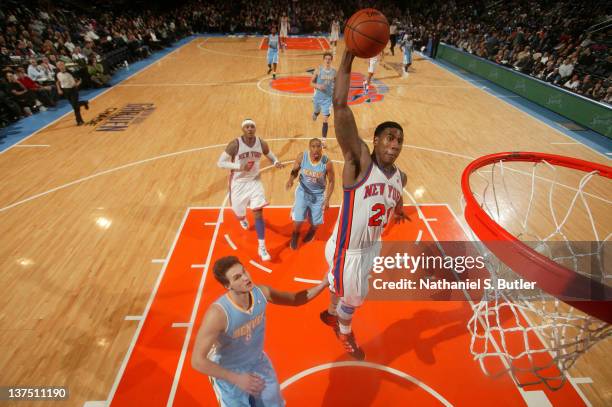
{"type": "Point", "coordinates": [262, 243]}
{"type": "Point", "coordinates": [344, 329]}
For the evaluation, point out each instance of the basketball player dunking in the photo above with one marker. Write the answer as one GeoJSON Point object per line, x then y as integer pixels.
{"type": "Point", "coordinates": [372, 196]}
{"type": "Point", "coordinates": [242, 156]}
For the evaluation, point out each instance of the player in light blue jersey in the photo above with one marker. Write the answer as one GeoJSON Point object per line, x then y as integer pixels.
{"type": "Point", "coordinates": [406, 45]}
{"type": "Point", "coordinates": [312, 194]}
{"type": "Point", "coordinates": [273, 44]}
{"type": "Point", "coordinates": [229, 344]}
{"type": "Point", "coordinates": [323, 82]}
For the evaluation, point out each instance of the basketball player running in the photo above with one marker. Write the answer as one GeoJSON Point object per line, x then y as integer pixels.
{"type": "Point", "coordinates": [372, 196]}
{"type": "Point", "coordinates": [373, 63]}
{"type": "Point", "coordinates": [323, 81]}
{"type": "Point", "coordinates": [284, 30]}
{"type": "Point", "coordinates": [311, 195]}
{"type": "Point", "coordinates": [242, 156]}
{"type": "Point", "coordinates": [334, 35]}
{"type": "Point", "coordinates": [229, 344]}
{"type": "Point", "coordinates": [273, 44]}
{"type": "Point", "coordinates": [406, 45]}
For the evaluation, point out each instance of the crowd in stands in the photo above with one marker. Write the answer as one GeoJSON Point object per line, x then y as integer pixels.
{"type": "Point", "coordinates": [542, 38]}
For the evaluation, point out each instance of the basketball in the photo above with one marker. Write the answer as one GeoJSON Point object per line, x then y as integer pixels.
{"type": "Point", "coordinates": [366, 33]}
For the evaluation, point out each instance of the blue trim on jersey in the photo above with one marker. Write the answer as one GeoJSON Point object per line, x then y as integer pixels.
{"type": "Point", "coordinates": [360, 183]}
{"type": "Point", "coordinates": [343, 239]}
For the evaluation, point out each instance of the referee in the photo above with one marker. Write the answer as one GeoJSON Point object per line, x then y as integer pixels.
{"type": "Point", "coordinates": [67, 86]}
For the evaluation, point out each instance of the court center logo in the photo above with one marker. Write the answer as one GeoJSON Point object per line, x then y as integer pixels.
{"type": "Point", "coordinates": [119, 119]}
{"type": "Point", "coordinates": [357, 94]}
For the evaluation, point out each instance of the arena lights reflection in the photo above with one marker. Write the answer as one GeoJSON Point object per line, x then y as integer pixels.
{"type": "Point", "coordinates": [103, 223]}
{"type": "Point", "coordinates": [419, 192]}
{"type": "Point", "coordinates": [25, 262]}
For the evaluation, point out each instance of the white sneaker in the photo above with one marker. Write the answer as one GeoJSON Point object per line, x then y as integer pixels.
{"type": "Point", "coordinates": [244, 224]}
{"type": "Point", "coordinates": [263, 253]}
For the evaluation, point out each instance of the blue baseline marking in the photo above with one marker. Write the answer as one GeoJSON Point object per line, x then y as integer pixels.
{"type": "Point", "coordinates": [590, 138]}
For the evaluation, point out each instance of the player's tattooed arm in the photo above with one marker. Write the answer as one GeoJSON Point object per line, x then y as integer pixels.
{"type": "Point", "coordinates": [213, 325]}
{"type": "Point", "coordinates": [293, 299]}
{"type": "Point", "coordinates": [227, 156]}
{"type": "Point", "coordinates": [295, 171]}
{"type": "Point", "coordinates": [355, 151]}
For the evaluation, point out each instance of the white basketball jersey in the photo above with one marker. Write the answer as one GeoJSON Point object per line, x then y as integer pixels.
{"type": "Point", "coordinates": [284, 24]}
{"type": "Point", "coordinates": [366, 209]}
{"type": "Point", "coordinates": [249, 155]}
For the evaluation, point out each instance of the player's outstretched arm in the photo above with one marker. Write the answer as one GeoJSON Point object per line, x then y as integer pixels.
{"type": "Point", "coordinates": [355, 151]}
{"type": "Point", "coordinates": [213, 324]}
{"type": "Point", "coordinates": [295, 171]}
{"type": "Point", "coordinates": [294, 299]}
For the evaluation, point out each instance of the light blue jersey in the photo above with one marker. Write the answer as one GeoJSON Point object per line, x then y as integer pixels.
{"type": "Point", "coordinates": [242, 342]}
{"type": "Point", "coordinates": [312, 176]}
{"type": "Point", "coordinates": [240, 349]}
{"type": "Point", "coordinates": [273, 49]}
{"type": "Point", "coordinates": [322, 100]}
{"type": "Point", "coordinates": [310, 193]}
{"type": "Point", "coordinates": [407, 46]}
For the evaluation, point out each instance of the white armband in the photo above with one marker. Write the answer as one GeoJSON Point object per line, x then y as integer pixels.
{"type": "Point", "coordinates": [225, 161]}
{"type": "Point", "coordinates": [272, 157]}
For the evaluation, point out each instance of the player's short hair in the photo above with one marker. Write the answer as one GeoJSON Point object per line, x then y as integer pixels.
{"type": "Point", "coordinates": [328, 54]}
{"type": "Point", "coordinates": [312, 140]}
{"type": "Point", "coordinates": [222, 266]}
{"type": "Point", "coordinates": [386, 125]}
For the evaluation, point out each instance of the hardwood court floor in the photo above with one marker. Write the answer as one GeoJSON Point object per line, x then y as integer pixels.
{"type": "Point", "coordinates": [88, 222]}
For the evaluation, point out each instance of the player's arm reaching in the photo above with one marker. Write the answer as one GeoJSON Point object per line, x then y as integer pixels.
{"type": "Point", "coordinates": [293, 299]}
{"type": "Point", "coordinates": [212, 326]}
{"type": "Point", "coordinates": [331, 183]}
{"type": "Point", "coordinates": [227, 156]}
{"type": "Point", "coordinates": [355, 151]}
{"type": "Point", "coordinates": [295, 171]}
{"type": "Point", "coordinates": [265, 148]}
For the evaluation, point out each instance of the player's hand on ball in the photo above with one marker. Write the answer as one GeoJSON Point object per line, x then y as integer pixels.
{"type": "Point", "coordinates": [250, 383]}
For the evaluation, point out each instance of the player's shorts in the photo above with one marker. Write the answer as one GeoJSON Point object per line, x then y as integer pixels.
{"type": "Point", "coordinates": [373, 64]}
{"type": "Point", "coordinates": [333, 37]}
{"type": "Point", "coordinates": [349, 273]}
{"type": "Point", "coordinates": [322, 104]}
{"type": "Point", "coordinates": [272, 56]}
{"type": "Point", "coordinates": [245, 194]}
{"type": "Point", "coordinates": [305, 202]}
{"type": "Point", "coordinates": [230, 395]}
{"type": "Point", "coordinates": [407, 58]}
{"type": "Point", "coordinates": [283, 32]}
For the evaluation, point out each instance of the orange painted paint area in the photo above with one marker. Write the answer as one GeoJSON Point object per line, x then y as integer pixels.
{"type": "Point", "coordinates": [417, 352]}
{"type": "Point", "coordinates": [312, 44]}
{"type": "Point", "coordinates": [293, 84]}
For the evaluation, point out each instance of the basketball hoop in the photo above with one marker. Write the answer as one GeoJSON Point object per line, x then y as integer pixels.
{"type": "Point", "coordinates": [537, 336]}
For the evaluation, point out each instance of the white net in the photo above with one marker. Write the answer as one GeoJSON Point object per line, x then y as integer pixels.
{"type": "Point", "coordinates": [563, 214]}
